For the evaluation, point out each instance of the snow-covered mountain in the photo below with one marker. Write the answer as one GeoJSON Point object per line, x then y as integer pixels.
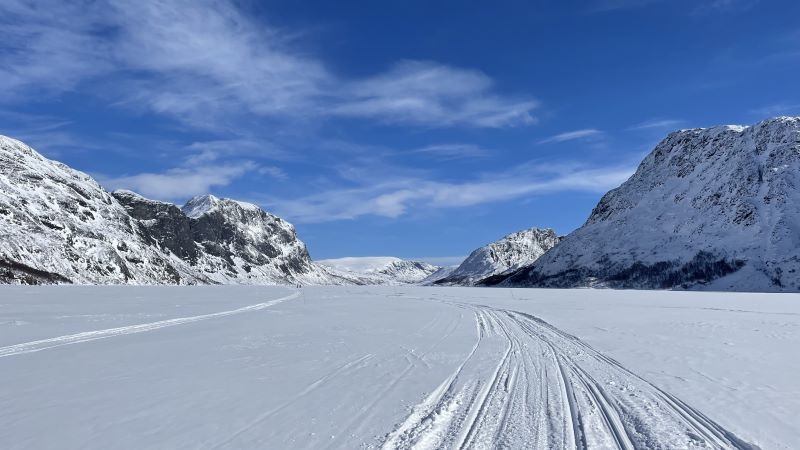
{"type": "Point", "coordinates": [715, 208]}
{"type": "Point", "coordinates": [58, 225]}
{"type": "Point", "coordinates": [382, 269]}
{"type": "Point", "coordinates": [226, 240]}
{"type": "Point", "coordinates": [441, 273]}
{"type": "Point", "coordinates": [502, 256]}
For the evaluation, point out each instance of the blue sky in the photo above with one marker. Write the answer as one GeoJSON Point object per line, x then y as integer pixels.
{"type": "Point", "coordinates": [415, 129]}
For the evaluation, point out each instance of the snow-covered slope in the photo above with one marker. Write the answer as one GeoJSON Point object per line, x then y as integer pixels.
{"type": "Point", "coordinates": [509, 253]}
{"type": "Point", "coordinates": [441, 273]}
{"type": "Point", "coordinates": [715, 208]}
{"type": "Point", "coordinates": [382, 269]}
{"type": "Point", "coordinates": [58, 225]}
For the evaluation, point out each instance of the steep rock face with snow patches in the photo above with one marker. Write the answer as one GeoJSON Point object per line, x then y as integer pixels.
{"type": "Point", "coordinates": [228, 241]}
{"type": "Point", "coordinates": [509, 253]}
{"type": "Point", "coordinates": [715, 208]}
{"type": "Point", "coordinates": [382, 269]}
{"type": "Point", "coordinates": [57, 225]}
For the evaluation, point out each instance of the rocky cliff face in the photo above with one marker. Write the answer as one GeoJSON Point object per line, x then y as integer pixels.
{"type": "Point", "coordinates": [715, 208]}
{"type": "Point", "coordinates": [226, 240]}
{"type": "Point", "coordinates": [58, 225]}
{"type": "Point", "coordinates": [507, 254]}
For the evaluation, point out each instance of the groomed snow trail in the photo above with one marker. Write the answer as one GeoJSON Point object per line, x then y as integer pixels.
{"type": "Point", "coordinates": [526, 384]}
{"type": "Point", "coordinates": [86, 336]}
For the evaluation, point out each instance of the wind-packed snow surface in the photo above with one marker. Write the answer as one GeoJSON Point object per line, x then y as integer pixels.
{"type": "Point", "coordinates": [715, 208]}
{"type": "Point", "coordinates": [396, 368]}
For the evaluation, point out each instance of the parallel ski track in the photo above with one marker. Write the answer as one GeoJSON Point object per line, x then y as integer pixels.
{"type": "Point", "coordinates": [526, 384]}
{"type": "Point", "coordinates": [86, 336]}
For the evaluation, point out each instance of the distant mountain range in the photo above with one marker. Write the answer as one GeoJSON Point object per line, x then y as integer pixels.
{"type": "Point", "coordinates": [715, 208]}
{"type": "Point", "coordinates": [383, 269]}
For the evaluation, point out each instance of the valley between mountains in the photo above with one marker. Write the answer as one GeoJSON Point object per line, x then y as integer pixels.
{"type": "Point", "coordinates": [381, 352]}
{"type": "Point", "coordinates": [708, 209]}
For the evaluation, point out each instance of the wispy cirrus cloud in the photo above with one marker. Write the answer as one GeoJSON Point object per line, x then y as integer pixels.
{"type": "Point", "coordinates": [49, 48]}
{"type": "Point", "coordinates": [181, 182]}
{"type": "Point", "coordinates": [699, 7]}
{"type": "Point", "coordinates": [448, 152]}
{"type": "Point", "coordinates": [207, 151]}
{"type": "Point", "coordinates": [572, 136]}
{"type": "Point", "coordinates": [207, 165]}
{"type": "Point", "coordinates": [400, 195]}
{"type": "Point", "coordinates": [776, 109]}
{"type": "Point", "coordinates": [427, 93]}
{"type": "Point", "coordinates": [205, 62]}
{"type": "Point", "coordinates": [657, 124]}
{"type": "Point", "coordinates": [274, 172]}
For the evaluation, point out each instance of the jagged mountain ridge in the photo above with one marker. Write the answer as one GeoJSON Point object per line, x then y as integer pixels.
{"type": "Point", "coordinates": [226, 240]}
{"type": "Point", "coordinates": [382, 269]}
{"type": "Point", "coordinates": [502, 256]}
{"type": "Point", "coordinates": [58, 225]}
{"type": "Point", "coordinates": [715, 208]}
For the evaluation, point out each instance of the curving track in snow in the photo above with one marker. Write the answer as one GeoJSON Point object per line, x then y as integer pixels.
{"type": "Point", "coordinates": [87, 336]}
{"type": "Point", "coordinates": [526, 384]}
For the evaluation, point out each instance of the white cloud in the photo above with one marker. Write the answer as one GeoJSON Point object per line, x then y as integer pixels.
{"type": "Point", "coordinates": [48, 48]}
{"type": "Point", "coordinates": [181, 182]}
{"type": "Point", "coordinates": [451, 151]}
{"type": "Point", "coordinates": [208, 64]}
{"type": "Point", "coordinates": [274, 172]}
{"type": "Point", "coordinates": [572, 135]}
{"type": "Point", "coordinates": [432, 94]}
{"type": "Point", "coordinates": [204, 59]}
{"type": "Point", "coordinates": [207, 151]}
{"type": "Point", "coordinates": [657, 124]}
{"type": "Point", "coordinates": [396, 197]}
{"type": "Point", "coordinates": [776, 110]}
{"type": "Point", "coordinates": [700, 6]}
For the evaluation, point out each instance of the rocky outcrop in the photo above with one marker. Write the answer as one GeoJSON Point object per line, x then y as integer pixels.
{"type": "Point", "coordinates": [58, 225]}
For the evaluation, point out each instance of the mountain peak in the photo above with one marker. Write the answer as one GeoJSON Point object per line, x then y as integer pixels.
{"type": "Point", "coordinates": [712, 208]}
{"type": "Point", "coordinates": [205, 204]}
{"type": "Point", "coordinates": [200, 205]}
{"type": "Point", "coordinates": [511, 252]}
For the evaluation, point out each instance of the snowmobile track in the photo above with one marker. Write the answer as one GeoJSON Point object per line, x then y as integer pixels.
{"type": "Point", "coordinates": [86, 336]}
{"type": "Point", "coordinates": [526, 384]}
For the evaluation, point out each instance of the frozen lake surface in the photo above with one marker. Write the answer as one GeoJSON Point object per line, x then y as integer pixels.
{"type": "Point", "coordinates": [396, 367]}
